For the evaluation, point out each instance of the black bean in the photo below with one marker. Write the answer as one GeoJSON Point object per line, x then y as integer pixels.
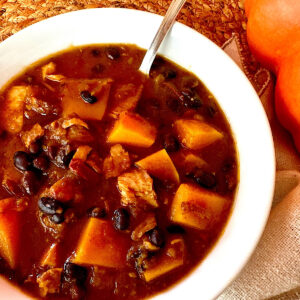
{"type": "Point", "coordinates": [74, 272]}
{"type": "Point", "coordinates": [171, 144]}
{"type": "Point", "coordinates": [41, 163]}
{"type": "Point", "coordinates": [95, 52]}
{"type": "Point", "coordinates": [190, 99]}
{"type": "Point", "coordinates": [57, 218]}
{"type": "Point", "coordinates": [205, 179]}
{"type": "Point", "coordinates": [96, 212]}
{"type": "Point", "coordinates": [175, 105]}
{"type": "Point", "coordinates": [195, 102]}
{"type": "Point", "coordinates": [156, 237]}
{"type": "Point", "coordinates": [50, 206]}
{"type": "Point", "coordinates": [211, 111]}
{"type": "Point", "coordinates": [87, 97]}
{"type": "Point", "coordinates": [174, 229]}
{"type": "Point", "coordinates": [99, 68]}
{"type": "Point", "coordinates": [113, 53]}
{"type": "Point", "coordinates": [30, 182]}
{"type": "Point", "coordinates": [3, 134]}
{"type": "Point", "coordinates": [121, 219]}
{"type": "Point", "coordinates": [22, 160]}
{"type": "Point", "coordinates": [158, 62]}
{"type": "Point", "coordinates": [2, 11]}
{"type": "Point", "coordinates": [35, 147]}
{"type": "Point", "coordinates": [228, 165]}
{"type": "Point", "coordinates": [169, 74]}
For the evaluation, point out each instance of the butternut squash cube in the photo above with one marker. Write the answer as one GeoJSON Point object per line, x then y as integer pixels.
{"type": "Point", "coordinates": [187, 161]}
{"type": "Point", "coordinates": [196, 207]}
{"type": "Point", "coordinates": [50, 258]}
{"type": "Point", "coordinates": [10, 236]}
{"type": "Point", "coordinates": [132, 129]}
{"type": "Point", "coordinates": [195, 134]}
{"type": "Point", "coordinates": [160, 165]}
{"type": "Point", "coordinates": [171, 258]}
{"type": "Point", "coordinates": [73, 103]}
{"type": "Point", "coordinates": [82, 152]}
{"type": "Point", "coordinates": [101, 245]}
{"type": "Point", "coordinates": [13, 110]}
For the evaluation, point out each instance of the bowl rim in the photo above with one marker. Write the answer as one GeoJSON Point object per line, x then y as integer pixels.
{"type": "Point", "coordinates": [10, 48]}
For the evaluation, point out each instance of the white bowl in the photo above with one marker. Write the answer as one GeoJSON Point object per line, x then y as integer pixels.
{"type": "Point", "coordinates": [227, 83]}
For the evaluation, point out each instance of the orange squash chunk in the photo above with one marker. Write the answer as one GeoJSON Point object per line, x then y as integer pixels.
{"type": "Point", "coordinates": [171, 258]}
{"type": "Point", "coordinates": [50, 258]}
{"type": "Point", "coordinates": [82, 152]}
{"type": "Point", "coordinates": [160, 165]}
{"type": "Point", "coordinates": [132, 129]}
{"type": "Point", "coordinates": [195, 134]}
{"type": "Point", "coordinates": [101, 245]}
{"type": "Point", "coordinates": [13, 110]}
{"type": "Point", "coordinates": [196, 207]}
{"type": "Point", "coordinates": [73, 103]}
{"type": "Point", "coordinates": [9, 236]}
{"type": "Point", "coordinates": [187, 161]}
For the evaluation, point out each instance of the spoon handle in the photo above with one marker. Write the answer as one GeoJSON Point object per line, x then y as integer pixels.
{"type": "Point", "coordinates": [164, 28]}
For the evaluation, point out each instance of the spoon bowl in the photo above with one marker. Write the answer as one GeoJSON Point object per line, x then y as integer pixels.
{"type": "Point", "coordinates": [162, 32]}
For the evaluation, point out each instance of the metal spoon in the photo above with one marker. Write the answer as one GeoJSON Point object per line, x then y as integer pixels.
{"type": "Point", "coordinates": [163, 30]}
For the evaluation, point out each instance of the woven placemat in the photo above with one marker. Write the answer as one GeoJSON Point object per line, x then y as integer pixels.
{"type": "Point", "coordinates": [216, 19]}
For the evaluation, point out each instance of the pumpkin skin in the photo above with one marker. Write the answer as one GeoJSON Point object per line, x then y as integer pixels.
{"type": "Point", "coordinates": [273, 30]}
{"type": "Point", "coordinates": [273, 34]}
{"type": "Point", "coordinates": [287, 96]}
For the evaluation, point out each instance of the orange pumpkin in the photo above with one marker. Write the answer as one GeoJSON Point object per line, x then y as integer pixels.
{"type": "Point", "coordinates": [273, 30]}
{"type": "Point", "coordinates": [273, 34]}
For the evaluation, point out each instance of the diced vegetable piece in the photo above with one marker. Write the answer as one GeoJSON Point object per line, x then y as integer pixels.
{"type": "Point", "coordinates": [191, 161]}
{"type": "Point", "coordinates": [9, 236]}
{"type": "Point", "coordinates": [30, 136]}
{"type": "Point", "coordinates": [56, 77]}
{"type": "Point", "coordinates": [187, 161]}
{"type": "Point", "coordinates": [73, 103]}
{"type": "Point", "coordinates": [146, 225]}
{"type": "Point", "coordinates": [171, 258]}
{"type": "Point", "coordinates": [116, 162]}
{"type": "Point", "coordinates": [74, 121]}
{"type": "Point", "coordinates": [132, 129]}
{"type": "Point", "coordinates": [126, 98]}
{"type": "Point", "coordinates": [82, 152]}
{"type": "Point", "coordinates": [101, 245]}
{"type": "Point", "coordinates": [47, 69]}
{"type": "Point", "coordinates": [160, 165]}
{"type": "Point", "coordinates": [12, 112]}
{"type": "Point", "coordinates": [95, 162]}
{"type": "Point", "coordinates": [196, 207]}
{"type": "Point", "coordinates": [195, 134]}
{"type": "Point", "coordinates": [81, 169]}
{"type": "Point", "coordinates": [50, 258]}
{"type": "Point", "coordinates": [136, 188]}
{"type": "Point", "coordinates": [49, 281]}
{"type": "Point", "coordinates": [66, 189]}
{"type": "Point", "coordinates": [149, 246]}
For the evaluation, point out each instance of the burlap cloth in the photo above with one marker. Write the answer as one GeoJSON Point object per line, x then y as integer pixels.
{"type": "Point", "coordinates": [273, 271]}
